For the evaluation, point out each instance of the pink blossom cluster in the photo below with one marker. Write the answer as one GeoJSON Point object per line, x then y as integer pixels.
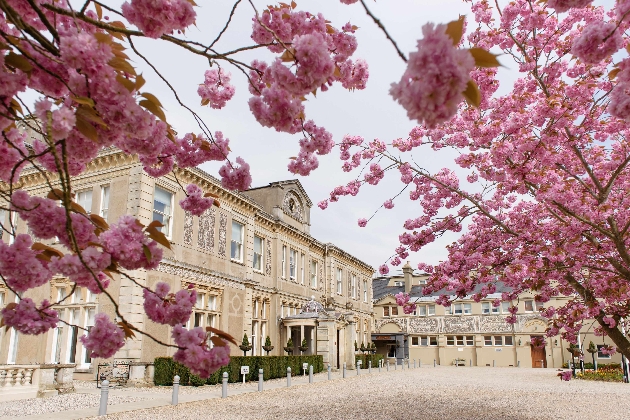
{"type": "Point", "coordinates": [235, 177]}
{"type": "Point", "coordinates": [91, 277]}
{"type": "Point", "coordinates": [388, 204]}
{"type": "Point", "coordinates": [158, 17]}
{"type": "Point", "coordinates": [402, 299]}
{"type": "Point", "coordinates": [126, 242]}
{"type": "Point", "coordinates": [565, 375]}
{"type": "Point", "coordinates": [20, 266]}
{"type": "Point", "coordinates": [608, 350]}
{"type": "Point", "coordinates": [597, 41]}
{"type": "Point", "coordinates": [437, 74]}
{"type": "Point", "coordinates": [362, 222]}
{"type": "Point", "coordinates": [168, 308]}
{"type": "Point", "coordinates": [195, 202]}
{"type": "Point", "coordinates": [28, 319]}
{"type": "Point", "coordinates": [195, 354]}
{"type": "Point", "coordinates": [12, 151]}
{"type": "Point", "coordinates": [565, 5]}
{"type": "Point", "coordinates": [104, 339]}
{"type": "Point", "coordinates": [318, 55]}
{"type": "Point", "coordinates": [383, 269]}
{"type": "Point", "coordinates": [216, 89]}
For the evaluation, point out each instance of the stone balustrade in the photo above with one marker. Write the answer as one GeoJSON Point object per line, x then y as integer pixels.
{"type": "Point", "coordinates": [30, 381]}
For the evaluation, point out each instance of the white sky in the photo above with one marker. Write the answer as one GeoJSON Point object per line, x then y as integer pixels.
{"type": "Point", "coordinates": [370, 113]}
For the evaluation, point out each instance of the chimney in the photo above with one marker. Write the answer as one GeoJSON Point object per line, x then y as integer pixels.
{"type": "Point", "coordinates": [407, 275]}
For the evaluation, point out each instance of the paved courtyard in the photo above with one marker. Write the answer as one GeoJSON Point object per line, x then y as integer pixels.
{"type": "Point", "coordinates": [426, 393]}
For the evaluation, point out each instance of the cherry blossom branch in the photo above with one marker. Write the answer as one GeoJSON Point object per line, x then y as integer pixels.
{"type": "Point", "coordinates": [380, 25]}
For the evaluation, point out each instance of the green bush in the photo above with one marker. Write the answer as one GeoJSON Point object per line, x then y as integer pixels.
{"type": "Point", "coordinates": [273, 367]}
{"type": "Point", "coordinates": [365, 358]}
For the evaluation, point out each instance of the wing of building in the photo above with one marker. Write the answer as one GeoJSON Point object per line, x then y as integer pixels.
{"type": "Point", "coordinates": [468, 333]}
{"type": "Point", "coordinates": [253, 262]}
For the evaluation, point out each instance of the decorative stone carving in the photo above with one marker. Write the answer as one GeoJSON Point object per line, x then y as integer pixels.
{"type": "Point", "coordinates": [205, 236]}
{"type": "Point", "coordinates": [292, 207]}
{"type": "Point", "coordinates": [494, 323]}
{"type": "Point", "coordinates": [423, 325]}
{"type": "Point", "coordinates": [460, 324]}
{"type": "Point", "coordinates": [400, 322]}
{"type": "Point", "coordinates": [268, 259]}
{"type": "Point", "coordinates": [222, 234]}
{"type": "Point", "coordinates": [186, 271]}
{"type": "Point", "coordinates": [188, 228]}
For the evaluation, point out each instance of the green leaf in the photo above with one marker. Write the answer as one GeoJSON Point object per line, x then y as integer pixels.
{"type": "Point", "coordinates": [147, 252]}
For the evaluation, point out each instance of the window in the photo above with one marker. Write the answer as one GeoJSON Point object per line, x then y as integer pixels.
{"type": "Point", "coordinates": [505, 307]}
{"type": "Point", "coordinates": [104, 202]}
{"type": "Point", "coordinates": [385, 310]}
{"type": "Point", "coordinates": [601, 355]}
{"type": "Point", "coordinates": [365, 291]}
{"type": "Point", "coordinates": [284, 261]}
{"type": "Point", "coordinates": [487, 340]}
{"type": "Point", "coordinates": [314, 274]}
{"type": "Point", "coordinates": [353, 283]}
{"type": "Point", "coordinates": [163, 209]}
{"type": "Point", "coordinates": [258, 253]}
{"type": "Point", "coordinates": [253, 338]}
{"type": "Point", "coordinates": [529, 306]}
{"type": "Point", "coordinates": [414, 341]}
{"type": "Point", "coordinates": [462, 308]}
{"type": "Point", "coordinates": [61, 294]}
{"type": "Point", "coordinates": [339, 285]}
{"type": "Point", "coordinates": [391, 350]}
{"type": "Point", "coordinates": [539, 306]}
{"type": "Point", "coordinates": [450, 340]}
{"type": "Point", "coordinates": [212, 302]}
{"type": "Point", "coordinates": [460, 340]}
{"type": "Point", "coordinates": [292, 262]}
{"type": "Point", "coordinates": [421, 310]}
{"type": "Point", "coordinates": [399, 283]}
{"type": "Point", "coordinates": [448, 310]}
{"type": "Point", "coordinates": [236, 251]}
{"type": "Point", "coordinates": [302, 269]}
{"type": "Point", "coordinates": [498, 340]}
{"type": "Point", "coordinates": [508, 340]}
{"type": "Point", "coordinates": [430, 310]}
{"type": "Point", "coordinates": [485, 307]}
{"type": "Point", "coordinates": [395, 310]}
{"type": "Point", "coordinates": [433, 341]}
{"type": "Point", "coordinates": [84, 199]}
{"type": "Point", "coordinates": [89, 323]}
{"type": "Point", "coordinates": [199, 302]}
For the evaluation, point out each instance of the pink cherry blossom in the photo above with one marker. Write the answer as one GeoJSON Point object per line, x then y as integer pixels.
{"type": "Point", "coordinates": [126, 242]}
{"type": "Point", "coordinates": [236, 177]}
{"type": "Point", "coordinates": [597, 41]}
{"type": "Point", "coordinates": [19, 265]}
{"type": "Point", "coordinates": [362, 222]}
{"type": "Point", "coordinates": [195, 202]}
{"type": "Point", "coordinates": [436, 76]}
{"type": "Point", "coordinates": [383, 269]}
{"type": "Point", "coordinates": [389, 204]}
{"type": "Point", "coordinates": [165, 308]}
{"type": "Point", "coordinates": [158, 17]}
{"type": "Point", "coordinates": [216, 88]}
{"type": "Point", "coordinates": [28, 319]}
{"type": "Point", "coordinates": [104, 339]}
{"type": "Point", "coordinates": [195, 354]}
{"type": "Point", "coordinates": [565, 5]}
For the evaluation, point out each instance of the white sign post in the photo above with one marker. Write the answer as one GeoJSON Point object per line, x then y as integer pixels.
{"type": "Point", "coordinates": [244, 371]}
{"type": "Point", "coordinates": [304, 367]}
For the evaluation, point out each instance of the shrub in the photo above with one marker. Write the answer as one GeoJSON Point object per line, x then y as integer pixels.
{"type": "Point", "coordinates": [365, 358]}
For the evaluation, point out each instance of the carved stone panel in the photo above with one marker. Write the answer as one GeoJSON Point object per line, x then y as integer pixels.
{"type": "Point", "coordinates": [463, 324]}
{"type": "Point", "coordinates": [268, 259]}
{"type": "Point", "coordinates": [188, 228]}
{"type": "Point", "coordinates": [222, 234]}
{"type": "Point", "coordinates": [400, 322]}
{"type": "Point", "coordinates": [494, 323]}
{"type": "Point", "coordinates": [424, 325]}
{"type": "Point", "coordinates": [291, 206]}
{"type": "Point", "coordinates": [205, 236]}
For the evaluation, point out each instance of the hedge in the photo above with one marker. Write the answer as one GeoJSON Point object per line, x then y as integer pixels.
{"type": "Point", "coordinates": [273, 367]}
{"type": "Point", "coordinates": [365, 358]}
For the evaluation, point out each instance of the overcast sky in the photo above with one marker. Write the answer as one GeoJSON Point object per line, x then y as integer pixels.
{"type": "Point", "coordinates": [370, 113]}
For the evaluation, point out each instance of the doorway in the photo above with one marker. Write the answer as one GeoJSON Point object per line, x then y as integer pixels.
{"type": "Point", "coordinates": [539, 356]}
{"type": "Point", "coordinates": [338, 336]}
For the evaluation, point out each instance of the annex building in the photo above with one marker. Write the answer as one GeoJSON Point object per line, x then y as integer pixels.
{"type": "Point", "coordinates": [468, 333]}
{"type": "Point", "coordinates": [255, 266]}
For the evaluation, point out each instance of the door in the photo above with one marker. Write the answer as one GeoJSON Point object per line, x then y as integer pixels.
{"type": "Point", "coordinates": [539, 357]}
{"type": "Point", "coordinates": [338, 337]}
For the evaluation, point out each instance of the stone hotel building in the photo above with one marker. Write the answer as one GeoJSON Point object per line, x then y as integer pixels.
{"type": "Point", "coordinates": [467, 333]}
{"type": "Point", "coordinates": [255, 266]}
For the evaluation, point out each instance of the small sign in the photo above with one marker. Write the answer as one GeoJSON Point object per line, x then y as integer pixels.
{"type": "Point", "coordinates": [460, 349]}
{"type": "Point", "coordinates": [244, 370]}
{"type": "Point", "coordinates": [304, 366]}
{"type": "Point", "coordinates": [498, 349]}
{"type": "Point", "coordinates": [359, 362]}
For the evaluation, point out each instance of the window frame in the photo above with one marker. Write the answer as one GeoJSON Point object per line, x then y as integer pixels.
{"type": "Point", "coordinates": [240, 244]}
{"type": "Point", "coordinates": [528, 302]}
{"type": "Point", "coordinates": [603, 356]}
{"type": "Point", "coordinates": [314, 269]}
{"type": "Point", "coordinates": [284, 261]}
{"type": "Point", "coordinates": [365, 291]}
{"type": "Point", "coordinates": [103, 210]}
{"type": "Point", "coordinates": [339, 274]}
{"type": "Point", "coordinates": [260, 255]}
{"type": "Point", "coordinates": [87, 208]}
{"type": "Point", "coordinates": [166, 216]}
{"type": "Point", "coordinates": [292, 263]}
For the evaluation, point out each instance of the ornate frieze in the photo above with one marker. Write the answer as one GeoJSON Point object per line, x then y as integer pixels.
{"type": "Point", "coordinates": [400, 322]}
{"type": "Point", "coordinates": [423, 325]}
{"type": "Point", "coordinates": [222, 234]}
{"type": "Point", "coordinates": [292, 207]}
{"type": "Point", "coordinates": [205, 236]}
{"type": "Point", "coordinates": [459, 324]}
{"type": "Point", "coordinates": [268, 259]}
{"type": "Point", "coordinates": [188, 228]}
{"type": "Point", "coordinates": [196, 275]}
{"type": "Point", "coordinates": [494, 323]}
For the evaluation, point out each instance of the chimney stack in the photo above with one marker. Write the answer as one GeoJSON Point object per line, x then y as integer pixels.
{"type": "Point", "coordinates": [407, 275]}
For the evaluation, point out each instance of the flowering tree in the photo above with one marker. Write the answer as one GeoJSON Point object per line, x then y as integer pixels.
{"type": "Point", "coordinates": [89, 97]}
{"type": "Point", "coordinates": [545, 201]}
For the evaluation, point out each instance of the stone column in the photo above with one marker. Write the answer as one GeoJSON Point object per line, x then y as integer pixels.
{"type": "Point", "coordinates": [301, 336]}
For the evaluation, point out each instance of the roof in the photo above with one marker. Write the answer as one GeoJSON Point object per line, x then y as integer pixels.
{"type": "Point", "coordinates": [380, 290]}
{"type": "Point", "coordinates": [295, 182]}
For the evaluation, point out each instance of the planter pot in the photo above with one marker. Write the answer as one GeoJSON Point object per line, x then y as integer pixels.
{"type": "Point", "coordinates": [289, 350]}
{"type": "Point", "coordinates": [245, 349]}
{"type": "Point", "coordinates": [267, 349]}
{"type": "Point", "coordinates": [303, 349]}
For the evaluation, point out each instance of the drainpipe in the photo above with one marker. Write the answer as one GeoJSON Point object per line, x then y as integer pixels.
{"type": "Point", "coordinates": [325, 270]}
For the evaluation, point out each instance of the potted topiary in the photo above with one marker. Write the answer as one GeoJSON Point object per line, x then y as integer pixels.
{"type": "Point", "coordinates": [362, 348]}
{"type": "Point", "coordinates": [267, 347]}
{"type": "Point", "coordinates": [373, 348]}
{"type": "Point", "coordinates": [245, 345]}
{"type": "Point", "coordinates": [304, 346]}
{"type": "Point", "coordinates": [289, 346]}
{"type": "Point", "coordinates": [592, 349]}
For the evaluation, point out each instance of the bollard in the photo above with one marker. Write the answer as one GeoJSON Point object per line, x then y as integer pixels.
{"type": "Point", "coordinates": [470, 363]}
{"type": "Point", "coordinates": [224, 385]}
{"type": "Point", "coordinates": [310, 374]}
{"type": "Point", "coordinates": [396, 365]}
{"type": "Point", "coordinates": [288, 376]}
{"type": "Point", "coordinates": [379, 366]}
{"type": "Point", "coordinates": [260, 380]}
{"type": "Point", "coordinates": [414, 363]}
{"type": "Point", "coordinates": [369, 366]}
{"type": "Point", "coordinates": [388, 365]}
{"type": "Point", "coordinates": [358, 369]}
{"type": "Point", "coordinates": [518, 364]}
{"type": "Point", "coordinates": [493, 363]}
{"type": "Point", "coordinates": [329, 372]}
{"type": "Point", "coordinates": [419, 363]}
{"type": "Point", "coordinates": [175, 396]}
{"type": "Point", "coordinates": [408, 363]}
{"type": "Point", "coordinates": [402, 364]}
{"type": "Point", "coordinates": [433, 362]}
{"type": "Point", "coordinates": [344, 370]}
{"type": "Point", "coordinates": [102, 409]}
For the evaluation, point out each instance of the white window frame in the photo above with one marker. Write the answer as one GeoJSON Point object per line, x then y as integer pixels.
{"type": "Point", "coordinates": [237, 241]}
{"type": "Point", "coordinates": [365, 291]}
{"type": "Point", "coordinates": [167, 217]}
{"type": "Point", "coordinates": [302, 259]}
{"type": "Point", "coordinates": [86, 206]}
{"type": "Point", "coordinates": [284, 261]}
{"type": "Point", "coordinates": [261, 256]}
{"type": "Point", "coordinates": [339, 281]}
{"type": "Point", "coordinates": [526, 302]}
{"type": "Point", "coordinates": [104, 206]}
{"type": "Point", "coordinates": [292, 263]}
{"type": "Point", "coordinates": [353, 283]}
{"type": "Point", "coordinates": [314, 269]}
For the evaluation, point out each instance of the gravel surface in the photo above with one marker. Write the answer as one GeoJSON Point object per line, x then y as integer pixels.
{"type": "Point", "coordinates": [427, 393]}
{"type": "Point", "coordinates": [57, 403]}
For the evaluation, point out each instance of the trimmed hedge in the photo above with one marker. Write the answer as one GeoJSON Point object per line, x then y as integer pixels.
{"type": "Point", "coordinates": [365, 358]}
{"type": "Point", "coordinates": [272, 366]}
